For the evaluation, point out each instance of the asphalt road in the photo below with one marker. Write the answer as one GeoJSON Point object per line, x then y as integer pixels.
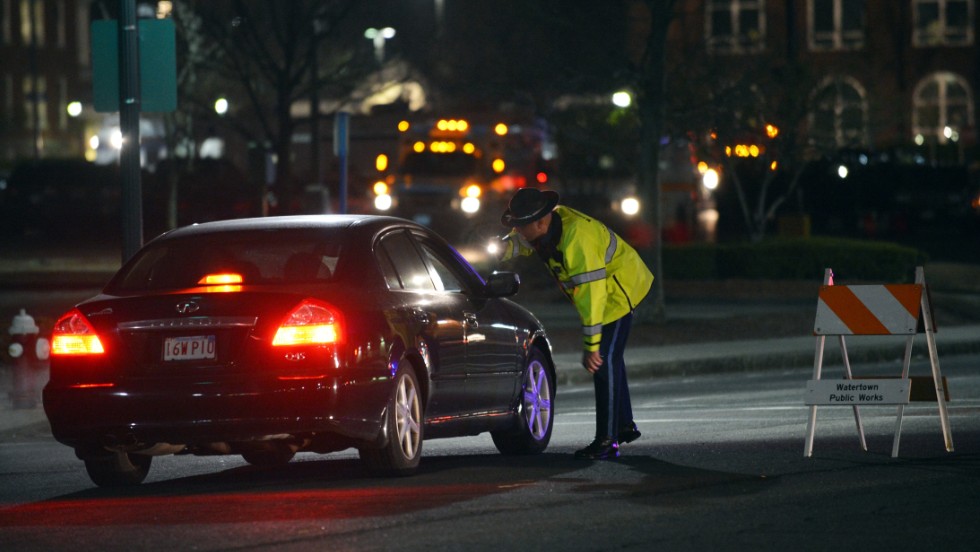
{"type": "Point", "coordinates": [720, 466]}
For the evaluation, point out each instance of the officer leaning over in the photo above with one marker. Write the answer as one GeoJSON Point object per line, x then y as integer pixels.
{"type": "Point", "coordinates": [605, 279]}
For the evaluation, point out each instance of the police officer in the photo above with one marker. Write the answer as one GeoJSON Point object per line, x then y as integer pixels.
{"type": "Point", "coordinates": [605, 279]}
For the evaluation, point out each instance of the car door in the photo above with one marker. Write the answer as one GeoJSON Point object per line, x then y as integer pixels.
{"type": "Point", "coordinates": [438, 320]}
{"type": "Point", "coordinates": [492, 370]}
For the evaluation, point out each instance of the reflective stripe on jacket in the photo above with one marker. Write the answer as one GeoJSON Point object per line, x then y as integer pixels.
{"type": "Point", "coordinates": [602, 274]}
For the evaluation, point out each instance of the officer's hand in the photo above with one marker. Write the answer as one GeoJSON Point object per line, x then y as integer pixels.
{"type": "Point", "coordinates": [591, 361]}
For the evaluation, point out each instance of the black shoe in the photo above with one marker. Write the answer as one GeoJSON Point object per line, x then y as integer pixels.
{"type": "Point", "coordinates": [628, 433]}
{"type": "Point", "coordinates": [600, 449]}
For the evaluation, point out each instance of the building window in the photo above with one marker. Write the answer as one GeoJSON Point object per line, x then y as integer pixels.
{"type": "Point", "coordinates": [942, 23]}
{"type": "Point", "coordinates": [40, 97]}
{"type": "Point", "coordinates": [5, 16]}
{"type": "Point", "coordinates": [736, 26]}
{"type": "Point", "coordinates": [61, 24]}
{"type": "Point", "coordinates": [8, 94]}
{"type": "Point", "coordinates": [839, 117]}
{"type": "Point", "coordinates": [82, 34]}
{"type": "Point", "coordinates": [62, 103]}
{"type": "Point", "coordinates": [32, 19]}
{"type": "Point", "coordinates": [836, 24]}
{"type": "Point", "coordinates": [942, 108]}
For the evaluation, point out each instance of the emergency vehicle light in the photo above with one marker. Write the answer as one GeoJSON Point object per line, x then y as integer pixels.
{"type": "Point", "coordinates": [452, 125]}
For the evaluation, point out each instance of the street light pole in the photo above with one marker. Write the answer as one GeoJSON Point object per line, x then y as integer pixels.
{"type": "Point", "coordinates": [129, 124]}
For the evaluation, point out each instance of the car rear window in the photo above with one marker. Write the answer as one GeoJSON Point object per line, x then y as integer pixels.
{"type": "Point", "coordinates": [258, 257]}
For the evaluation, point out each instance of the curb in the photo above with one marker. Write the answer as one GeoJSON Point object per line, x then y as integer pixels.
{"type": "Point", "coordinates": [792, 353]}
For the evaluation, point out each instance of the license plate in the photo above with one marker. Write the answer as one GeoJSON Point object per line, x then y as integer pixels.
{"type": "Point", "coordinates": [196, 347]}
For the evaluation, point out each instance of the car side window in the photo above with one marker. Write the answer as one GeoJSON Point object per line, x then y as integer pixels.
{"type": "Point", "coordinates": [408, 266]}
{"type": "Point", "coordinates": [445, 278]}
{"type": "Point", "coordinates": [388, 269]}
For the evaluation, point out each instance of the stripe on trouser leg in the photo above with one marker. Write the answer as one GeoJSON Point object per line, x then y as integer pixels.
{"type": "Point", "coordinates": [611, 371]}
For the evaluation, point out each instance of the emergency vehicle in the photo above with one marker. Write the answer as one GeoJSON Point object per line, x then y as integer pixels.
{"type": "Point", "coordinates": [456, 174]}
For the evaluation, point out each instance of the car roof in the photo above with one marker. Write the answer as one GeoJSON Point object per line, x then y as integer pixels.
{"type": "Point", "coordinates": [367, 222]}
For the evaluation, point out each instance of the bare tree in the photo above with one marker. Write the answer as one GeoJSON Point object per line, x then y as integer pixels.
{"type": "Point", "coordinates": [265, 56]}
{"type": "Point", "coordinates": [755, 123]}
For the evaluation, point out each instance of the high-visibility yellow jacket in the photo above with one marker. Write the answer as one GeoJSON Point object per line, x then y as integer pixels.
{"type": "Point", "coordinates": [602, 274]}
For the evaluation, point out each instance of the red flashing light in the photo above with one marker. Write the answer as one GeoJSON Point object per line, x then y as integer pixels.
{"type": "Point", "coordinates": [542, 177]}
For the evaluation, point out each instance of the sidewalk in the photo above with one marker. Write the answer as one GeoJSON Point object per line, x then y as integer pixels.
{"type": "Point", "coordinates": [735, 313]}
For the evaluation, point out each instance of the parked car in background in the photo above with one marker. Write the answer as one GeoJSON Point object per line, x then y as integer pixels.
{"type": "Point", "coordinates": [271, 336]}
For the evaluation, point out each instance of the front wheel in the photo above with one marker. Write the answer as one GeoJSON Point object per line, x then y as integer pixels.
{"type": "Point", "coordinates": [118, 469]}
{"type": "Point", "coordinates": [533, 433]}
{"type": "Point", "coordinates": [402, 431]}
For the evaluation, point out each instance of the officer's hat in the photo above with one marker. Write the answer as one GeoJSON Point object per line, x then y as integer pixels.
{"type": "Point", "coordinates": [529, 205]}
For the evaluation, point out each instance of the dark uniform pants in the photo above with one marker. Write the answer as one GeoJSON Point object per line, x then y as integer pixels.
{"type": "Point", "coordinates": [613, 409]}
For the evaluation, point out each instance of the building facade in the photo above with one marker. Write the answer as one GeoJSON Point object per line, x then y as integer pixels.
{"type": "Point", "coordinates": [45, 78]}
{"type": "Point", "coordinates": [885, 73]}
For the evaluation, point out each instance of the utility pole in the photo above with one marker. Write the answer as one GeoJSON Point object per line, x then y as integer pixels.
{"type": "Point", "coordinates": [129, 124]}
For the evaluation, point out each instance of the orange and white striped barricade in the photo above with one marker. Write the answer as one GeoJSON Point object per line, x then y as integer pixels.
{"type": "Point", "coordinates": [889, 309]}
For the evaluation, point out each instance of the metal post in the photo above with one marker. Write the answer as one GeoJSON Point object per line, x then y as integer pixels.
{"type": "Point", "coordinates": [129, 123]}
{"type": "Point", "coordinates": [35, 92]}
{"type": "Point", "coordinates": [341, 137]}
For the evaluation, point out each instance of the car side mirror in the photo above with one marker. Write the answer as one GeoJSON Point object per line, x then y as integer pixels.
{"type": "Point", "coordinates": [503, 284]}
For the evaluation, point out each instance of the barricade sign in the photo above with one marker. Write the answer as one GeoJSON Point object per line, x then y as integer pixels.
{"type": "Point", "coordinates": [889, 309]}
{"type": "Point", "coordinates": [843, 392]}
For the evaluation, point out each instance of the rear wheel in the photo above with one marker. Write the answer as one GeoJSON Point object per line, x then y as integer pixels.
{"type": "Point", "coordinates": [118, 469]}
{"type": "Point", "coordinates": [533, 433]}
{"type": "Point", "coordinates": [402, 429]}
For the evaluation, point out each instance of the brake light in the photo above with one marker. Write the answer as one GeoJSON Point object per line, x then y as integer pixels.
{"type": "Point", "coordinates": [74, 335]}
{"type": "Point", "coordinates": [220, 279]}
{"type": "Point", "coordinates": [312, 322]}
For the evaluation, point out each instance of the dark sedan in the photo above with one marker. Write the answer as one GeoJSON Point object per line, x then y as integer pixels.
{"type": "Point", "coordinates": [267, 337]}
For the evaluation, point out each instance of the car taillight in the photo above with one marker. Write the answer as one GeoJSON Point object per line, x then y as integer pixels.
{"type": "Point", "coordinates": [74, 335]}
{"type": "Point", "coordinates": [312, 322]}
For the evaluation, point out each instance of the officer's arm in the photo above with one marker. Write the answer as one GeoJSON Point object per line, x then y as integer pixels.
{"type": "Point", "coordinates": [587, 277]}
{"type": "Point", "coordinates": [512, 246]}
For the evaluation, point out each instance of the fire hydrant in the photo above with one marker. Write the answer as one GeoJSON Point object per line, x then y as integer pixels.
{"type": "Point", "coordinates": [30, 356]}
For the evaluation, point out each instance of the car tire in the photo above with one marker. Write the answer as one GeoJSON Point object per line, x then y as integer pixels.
{"type": "Point", "coordinates": [269, 458]}
{"type": "Point", "coordinates": [402, 432]}
{"type": "Point", "coordinates": [533, 432]}
{"type": "Point", "coordinates": [118, 469]}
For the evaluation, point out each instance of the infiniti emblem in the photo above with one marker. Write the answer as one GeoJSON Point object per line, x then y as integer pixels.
{"type": "Point", "coordinates": [188, 307]}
